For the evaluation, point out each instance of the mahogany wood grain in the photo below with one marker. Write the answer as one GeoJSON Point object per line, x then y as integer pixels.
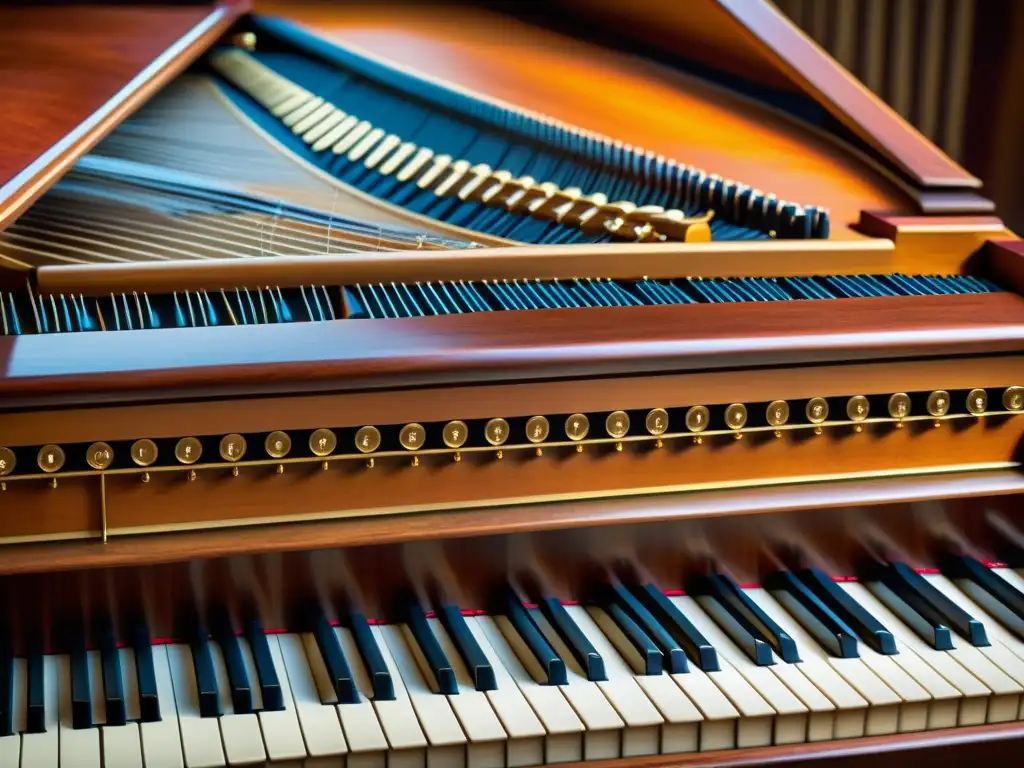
{"type": "Point", "coordinates": [621, 96]}
{"type": "Point", "coordinates": [755, 40]}
{"type": "Point", "coordinates": [261, 496]}
{"type": "Point", "coordinates": [401, 405]}
{"type": "Point", "coordinates": [346, 355]}
{"type": "Point", "coordinates": [70, 73]}
{"type": "Point", "coordinates": [629, 261]}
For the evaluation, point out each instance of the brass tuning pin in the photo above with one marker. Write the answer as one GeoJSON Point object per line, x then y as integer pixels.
{"type": "Point", "coordinates": [454, 435]}
{"type": "Point", "coordinates": [1013, 398]}
{"type": "Point", "coordinates": [938, 405]}
{"type": "Point", "coordinates": [367, 441]}
{"type": "Point", "coordinates": [7, 462]}
{"type": "Point", "coordinates": [232, 449]}
{"type": "Point", "coordinates": [977, 401]}
{"type": "Point", "coordinates": [777, 415]}
{"type": "Point", "coordinates": [697, 419]}
{"type": "Point", "coordinates": [412, 437]}
{"type": "Point", "coordinates": [537, 431]}
{"type": "Point", "coordinates": [857, 409]}
{"type": "Point", "coordinates": [817, 412]}
{"type": "Point", "coordinates": [617, 426]}
{"type": "Point", "coordinates": [656, 423]}
{"type": "Point", "coordinates": [577, 427]}
{"type": "Point", "coordinates": [899, 408]}
{"type": "Point", "coordinates": [496, 433]}
{"type": "Point", "coordinates": [736, 418]}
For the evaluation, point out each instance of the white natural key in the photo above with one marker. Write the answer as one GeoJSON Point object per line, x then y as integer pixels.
{"type": "Point", "coordinates": [447, 740]}
{"type": "Point", "coordinates": [78, 748]}
{"type": "Point", "coordinates": [363, 722]}
{"type": "Point", "coordinates": [680, 731]}
{"type": "Point", "coordinates": [321, 730]}
{"type": "Point", "coordinates": [161, 740]}
{"type": "Point", "coordinates": [564, 740]}
{"type": "Point", "coordinates": [525, 731]}
{"type": "Point", "coordinates": [282, 734]}
{"type": "Point", "coordinates": [200, 736]}
{"type": "Point", "coordinates": [43, 749]}
{"type": "Point", "coordinates": [10, 746]}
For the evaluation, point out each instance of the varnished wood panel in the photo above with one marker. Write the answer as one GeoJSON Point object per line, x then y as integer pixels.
{"type": "Point", "coordinates": [70, 73]}
{"type": "Point", "coordinates": [514, 346]}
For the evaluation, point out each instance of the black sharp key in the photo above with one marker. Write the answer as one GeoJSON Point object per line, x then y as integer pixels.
{"type": "Point", "coordinates": [270, 685]}
{"type": "Point", "coordinates": [994, 594]}
{"type": "Point", "coordinates": [549, 661]}
{"type": "Point", "coordinates": [437, 662]}
{"type": "Point", "coordinates": [930, 603]}
{"type": "Point", "coordinates": [723, 588]}
{"type": "Point", "coordinates": [36, 720]}
{"type": "Point", "coordinates": [206, 678]}
{"type": "Point", "coordinates": [145, 671]}
{"type": "Point", "coordinates": [579, 645]}
{"type": "Point", "coordinates": [674, 657]}
{"type": "Point", "coordinates": [817, 618]}
{"type": "Point", "coordinates": [938, 636]}
{"type": "Point", "coordinates": [469, 649]}
{"type": "Point", "coordinates": [81, 695]}
{"type": "Point", "coordinates": [868, 628]}
{"type": "Point", "coordinates": [757, 648]}
{"type": "Point", "coordinates": [334, 657]}
{"type": "Point", "coordinates": [383, 686]}
{"type": "Point", "coordinates": [697, 647]}
{"type": "Point", "coordinates": [238, 678]}
{"type": "Point", "coordinates": [653, 660]}
{"type": "Point", "coordinates": [113, 684]}
{"type": "Point", "coordinates": [6, 692]}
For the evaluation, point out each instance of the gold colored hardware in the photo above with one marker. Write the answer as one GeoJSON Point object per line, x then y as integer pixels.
{"type": "Point", "coordinates": [191, 475]}
{"type": "Point", "coordinates": [7, 461]}
{"type": "Point", "coordinates": [278, 445]}
{"type": "Point", "coordinates": [457, 457]}
{"type": "Point", "coordinates": [816, 411]}
{"type": "Point", "coordinates": [579, 448]}
{"type": "Point", "coordinates": [370, 463]}
{"type": "Point", "coordinates": [455, 434]}
{"type": "Point", "coordinates": [50, 458]}
{"type": "Point", "coordinates": [698, 440]}
{"type": "Point", "coordinates": [736, 416]}
{"type": "Point", "coordinates": [188, 450]}
{"type": "Point", "coordinates": [144, 452]}
{"type": "Point", "coordinates": [324, 466]}
{"type": "Point", "coordinates": [658, 443]}
{"type": "Point", "coordinates": [697, 418]}
{"type": "Point", "coordinates": [280, 469]}
{"type": "Point", "coordinates": [245, 40]}
{"type": "Point", "coordinates": [977, 401]}
{"type": "Point", "coordinates": [576, 428]}
{"type": "Point", "coordinates": [232, 448]}
{"type": "Point", "coordinates": [496, 432]}
{"type": "Point", "coordinates": [537, 429]}
{"type": "Point", "coordinates": [415, 461]}
{"type": "Point", "coordinates": [539, 451]}
{"type": "Point", "coordinates": [656, 422]}
{"type": "Point", "coordinates": [3, 486]}
{"type": "Point", "coordinates": [145, 477]}
{"type": "Point", "coordinates": [367, 439]}
{"type": "Point", "coordinates": [53, 483]}
{"type": "Point", "coordinates": [323, 442]}
{"type": "Point", "coordinates": [500, 454]}
{"type": "Point", "coordinates": [618, 447]}
{"type": "Point", "coordinates": [1013, 398]}
{"type": "Point", "coordinates": [938, 403]}
{"type": "Point", "coordinates": [103, 505]}
{"type": "Point", "coordinates": [234, 471]}
{"type": "Point", "coordinates": [899, 407]}
{"type": "Point", "coordinates": [778, 413]}
{"type": "Point", "coordinates": [617, 424]}
{"type": "Point", "coordinates": [857, 408]}
{"type": "Point", "coordinates": [412, 437]}
{"type": "Point", "coordinates": [100, 456]}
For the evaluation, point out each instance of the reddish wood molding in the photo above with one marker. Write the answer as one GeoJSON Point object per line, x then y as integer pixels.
{"type": "Point", "coordinates": [69, 74]}
{"type": "Point", "coordinates": [352, 355]}
{"type": "Point", "coordinates": [1004, 263]}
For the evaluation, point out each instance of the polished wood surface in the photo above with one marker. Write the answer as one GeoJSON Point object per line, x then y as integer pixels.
{"type": "Point", "coordinates": [723, 32]}
{"type": "Point", "coordinates": [69, 74]}
{"type": "Point", "coordinates": [617, 95]}
{"type": "Point", "coordinates": [348, 354]}
{"type": "Point", "coordinates": [773, 258]}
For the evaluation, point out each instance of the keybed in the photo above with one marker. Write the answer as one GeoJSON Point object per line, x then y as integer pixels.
{"type": "Point", "coordinates": [515, 717]}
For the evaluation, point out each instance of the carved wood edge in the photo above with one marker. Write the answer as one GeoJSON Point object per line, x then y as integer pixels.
{"type": "Point", "coordinates": [356, 532]}
{"type": "Point", "coordinates": [28, 185]}
{"type": "Point", "coordinates": [823, 78]}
